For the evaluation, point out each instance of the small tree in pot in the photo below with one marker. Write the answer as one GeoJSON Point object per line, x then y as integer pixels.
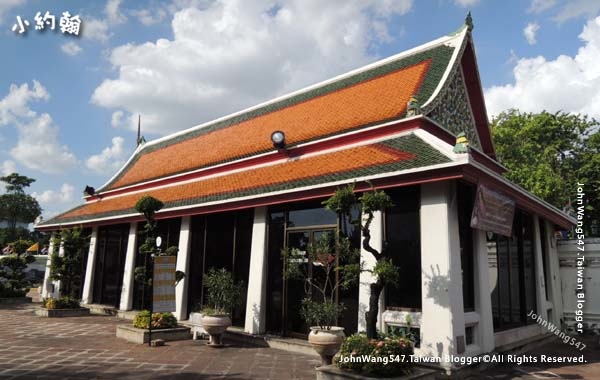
{"type": "Point", "coordinates": [328, 265]}
{"type": "Point", "coordinates": [222, 295]}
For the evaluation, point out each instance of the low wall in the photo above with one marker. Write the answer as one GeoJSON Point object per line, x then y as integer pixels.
{"type": "Point", "coordinates": [574, 278]}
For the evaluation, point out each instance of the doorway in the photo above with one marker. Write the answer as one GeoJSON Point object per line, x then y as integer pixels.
{"type": "Point", "coordinates": [295, 290]}
{"type": "Point", "coordinates": [110, 264]}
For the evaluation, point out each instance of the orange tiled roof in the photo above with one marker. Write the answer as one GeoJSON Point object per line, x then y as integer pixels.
{"type": "Point", "coordinates": [378, 99]}
{"type": "Point", "coordinates": [284, 172]}
{"type": "Point", "coordinates": [403, 152]}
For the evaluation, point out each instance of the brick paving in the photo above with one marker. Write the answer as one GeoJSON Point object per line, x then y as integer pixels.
{"type": "Point", "coordinates": [76, 348]}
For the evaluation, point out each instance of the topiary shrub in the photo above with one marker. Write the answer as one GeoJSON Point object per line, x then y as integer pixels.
{"type": "Point", "coordinates": [13, 279]}
{"type": "Point", "coordinates": [386, 356]}
{"type": "Point", "coordinates": [159, 320]}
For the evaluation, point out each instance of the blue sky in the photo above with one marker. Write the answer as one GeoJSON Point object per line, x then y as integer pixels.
{"type": "Point", "coordinates": [69, 105]}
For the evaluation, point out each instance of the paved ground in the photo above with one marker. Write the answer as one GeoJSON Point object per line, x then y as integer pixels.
{"type": "Point", "coordinates": [86, 348]}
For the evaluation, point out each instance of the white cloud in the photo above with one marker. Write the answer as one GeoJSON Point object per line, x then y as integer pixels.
{"type": "Point", "coordinates": [94, 29]}
{"type": "Point", "coordinates": [230, 54]}
{"type": "Point", "coordinates": [466, 3]}
{"type": "Point", "coordinates": [113, 13]}
{"type": "Point", "coordinates": [577, 8]}
{"type": "Point", "coordinates": [51, 197]}
{"type": "Point", "coordinates": [8, 167]}
{"type": "Point", "coordinates": [37, 146]}
{"type": "Point", "coordinates": [116, 119]}
{"type": "Point", "coordinates": [15, 105]}
{"type": "Point", "coordinates": [7, 5]}
{"type": "Point", "coordinates": [530, 32]}
{"type": "Point", "coordinates": [150, 17]}
{"type": "Point", "coordinates": [570, 84]}
{"type": "Point", "coordinates": [110, 159]}
{"type": "Point", "coordinates": [538, 6]}
{"type": "Point", "coordinates": [71, 48]}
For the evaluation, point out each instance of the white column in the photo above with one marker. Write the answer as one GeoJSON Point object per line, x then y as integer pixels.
{"type": "Point", "coordinates": [257, 281]}
{"type": "Point", "coordinates": [367, 278]}
{"type": "Point", "coordinates": [183, 264]}
{"type": "Point", "coordinates": [88, 281]}
{"type": "Point", "coordinates": [554, 275]}
{"type": "Point", "coordinates": [57, 283]}
{"type": "Point", "coordinates": [483, 291]}
{"type": "Point", "coordinates": [442, 319]}
{"type": "Point", "coordinates": [540, 285]}
{"type": "Point", "coordinates": [47, 286]}
{"type": "Point", "coordinates": [129, 270]}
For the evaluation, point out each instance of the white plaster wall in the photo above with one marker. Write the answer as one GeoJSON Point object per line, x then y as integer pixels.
{"type": "Point", "coordinates": [183, 264]}
{"type": "Point", "coordinates": [47, 284]}
{"type": "Point", "coordinates": [257, 279]}
{"type": "Point", "coordinates": [367, 278]}
{"type": "Point", "coordinates": [126, 302]}
{"type": "Point", "coordinates": [88, 282]}
{"type": "Point", "coordinates": [442, 319]}
{"type": "Point", "coordinates": [567, 254]}
{"type": "Point", "coordinates": [484, 329]}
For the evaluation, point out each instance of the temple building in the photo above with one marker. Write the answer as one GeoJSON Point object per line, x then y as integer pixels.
{"type": "Point", "coordinates": [476, 252]}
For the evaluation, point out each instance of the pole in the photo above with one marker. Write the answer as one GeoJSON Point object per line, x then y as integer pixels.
{"type": "Point", "coordinates": [151, 300]}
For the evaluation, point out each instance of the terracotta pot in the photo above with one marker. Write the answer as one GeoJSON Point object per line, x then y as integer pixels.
{"type": "Point", "coordinates": [215, 325]}
{"type": "Point", "coordinates": [326, 342]}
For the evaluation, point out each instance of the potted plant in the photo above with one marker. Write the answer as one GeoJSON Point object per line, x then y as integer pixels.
{"type": "Point", "coordinates": [222, 295]}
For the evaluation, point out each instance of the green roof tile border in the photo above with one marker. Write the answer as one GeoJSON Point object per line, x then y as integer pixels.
{"type": "Point", "coordinates": [425, 155]}
{"type": "Point", "coordinates": [440, 57]}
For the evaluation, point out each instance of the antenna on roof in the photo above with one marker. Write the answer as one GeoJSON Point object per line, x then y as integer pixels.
{"type": "Point", "coordinates": [140, 138]}
{"type": "Point", "coordinates": [469, 21]}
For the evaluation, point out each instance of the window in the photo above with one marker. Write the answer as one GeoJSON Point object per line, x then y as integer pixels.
{"type": "Point", "coordinates": [466, 199]}
{"type": "Point", "coordinates": [512, 274]}
{"type": "Point", "coordinates": [403, 244]}
{"type": "Point", "coordinates": [221, 240]}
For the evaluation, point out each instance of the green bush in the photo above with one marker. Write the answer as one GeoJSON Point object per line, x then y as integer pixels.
{"type": "Point", "coordinates": [9, 293]}
{"type": "Point", "coordinates": [389, 355]}
{"type": "Point", "coordinates": [159, 320]}
{"type": "Point", "coordinates": [61, 303]}
{"type": "Point", "coordinates": [13, 278]}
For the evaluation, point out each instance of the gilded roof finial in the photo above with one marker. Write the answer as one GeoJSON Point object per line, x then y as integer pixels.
{"type": "Point", "coordinates": [469, 21]}
{"type": "Point", "coordinates": [413, 107]}
{"type": "Point", "coordinates": [462, 143]}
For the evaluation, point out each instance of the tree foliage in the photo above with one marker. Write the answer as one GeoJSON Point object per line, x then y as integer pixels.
{"type": "Point", "coordinates": [68, 268]}
{"type": "Point", "coordinates": [15, 205]}
{"type": "Point", "coordinates": [549, 154]}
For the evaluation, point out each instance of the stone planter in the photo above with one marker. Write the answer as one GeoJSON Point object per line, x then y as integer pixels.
{"type": "Point", "coordinates": [215, 326]}
{"type": "Point", "coordinates": [195, 320]}
{"type": "Point", "coordinates": [331, 372]}
{"type": "Point", "coordinates": [141, 336]}
{"type": "Point", "coordinates": [59, 313]}
{"type": "Point", "coordinates": [15, 300]}
{"type": "Point", "coordinates": [326, 342]}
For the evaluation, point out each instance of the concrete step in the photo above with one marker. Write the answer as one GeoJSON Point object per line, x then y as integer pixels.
{"type": "Point", "coordinates": [298, 346]}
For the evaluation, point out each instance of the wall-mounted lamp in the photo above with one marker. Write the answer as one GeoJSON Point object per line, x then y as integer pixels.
{"type": "Point", "coordinates": [278, 138]}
